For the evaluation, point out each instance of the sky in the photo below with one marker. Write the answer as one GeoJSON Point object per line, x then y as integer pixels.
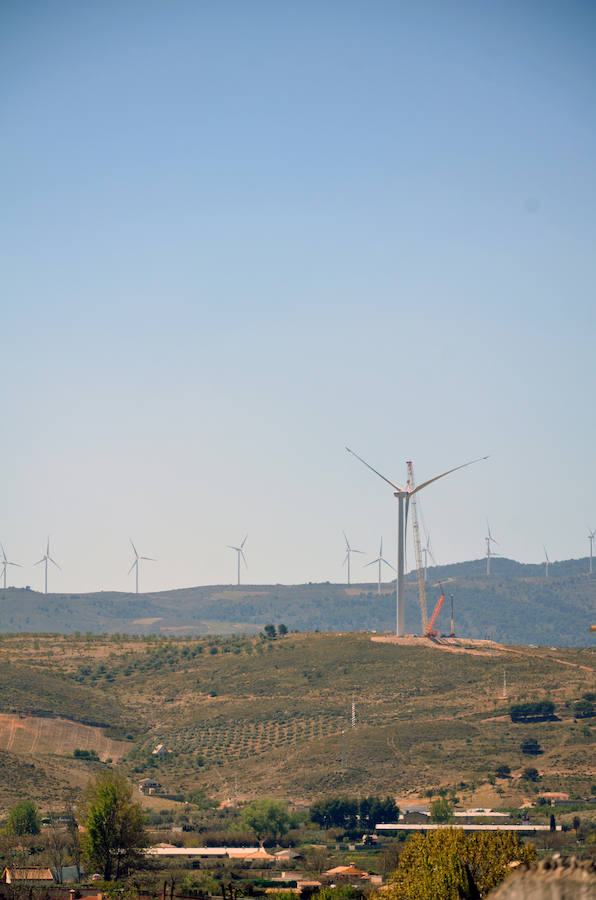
{"type": "Point", "coordinates": [237, 237]}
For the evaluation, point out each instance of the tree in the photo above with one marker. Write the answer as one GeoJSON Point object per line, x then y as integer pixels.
{"type": "Point", "coordinates": [335, 812]}
{"type": "Point", "coordinates": [266, 819]}
{"type": "Point", "coordinates": [441, 810]}
{"type": "Point", "coordinates": [56, 848]}
{"type": "Point", "coordinates": [447, 865]}
{"type": "Point", "coordinates": [269, 632]}
{"type": "Point", "coordinates": [282, 629]}
{"type": "Point", "coordinates": [24, 818]}
{"type": "Point", "coordinates": [531, 747]}
{"type": "Point", "coordinates": [116, 835]}
{"type": "Point", "coordinates": [583, 709]}
{"type": "Point", "coordinates": [503, 771]}
{"type": "Point", "coordinates": [530, 774]}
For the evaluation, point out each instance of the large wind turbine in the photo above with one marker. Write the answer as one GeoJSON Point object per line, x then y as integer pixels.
{"type": "Point", "coordinates": [45, 559]}
{"type": "Point", "coordinates": [349, 551]}
{"type": "Point", "coordinates": [590, 538]}
{"type": "Point", "coordinates": [380, 559]}
{"type": "Point", "coordinates": [4, 562]}
{"type": "Point", "coordinates": [546, 563]}
{"type": "Point", "coordinates": [135, 564]}
{"type": "Point", "coordinates": [240, 552]}
{"type": "Point", "coordinates": [404, 494]}
{"type": "Point", "coordinates": [489, 539]}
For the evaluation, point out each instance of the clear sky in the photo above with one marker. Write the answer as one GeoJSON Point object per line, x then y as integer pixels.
{"type": "Point", "coordinates": [237, 236]}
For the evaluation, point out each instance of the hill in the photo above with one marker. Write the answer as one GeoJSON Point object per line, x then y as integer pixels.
{"type": "Point", "coordinates": [277, 716]}
{"type": "Point", "coordinates": [515, 604]}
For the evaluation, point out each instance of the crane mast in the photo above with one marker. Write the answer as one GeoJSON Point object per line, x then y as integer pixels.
{"type": "Point", "coordinates": [418, 550]}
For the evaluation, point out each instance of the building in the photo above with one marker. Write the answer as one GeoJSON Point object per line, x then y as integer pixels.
{"type": "Point", "coordinates": [34, 875]}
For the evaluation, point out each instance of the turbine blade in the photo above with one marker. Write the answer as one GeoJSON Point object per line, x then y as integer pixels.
{"type": "Point", "coordinates": [371, 563]}
{"type": "Point", "coordinates": [448, 472]}
{"type": "Point", "coordinates": [237, 549]}
{"type": "Point", "coordinates": [54, 561]}
{"type": "Point", "coordinates": [346, 538]}
{"type": "Point", "coordinates": [6, 563]}
{"type": "Point", "coordinates": [132, 567]}
{"type": "Point", "coordinates": [357, 551]}
{"type": "Point", "coordinates": [150, 558]}
{"type": "Point", "coordinates": [374, 470]}
{"type": "Point", "coordinates": [244, 541]}
{"type": "Point", "coordinates": [40, 560]}
{"type": "Point", "coordinates": [134, 548]}
{"type": "Point", "coordinates": [244, 557]}
{"type": "Point", "coordinates": [389, 564]}
{"type": "Point", "coordinates": [3, 551]}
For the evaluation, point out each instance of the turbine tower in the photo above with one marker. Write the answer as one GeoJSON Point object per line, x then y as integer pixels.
{"type": "Point", "coordinates": [489, 538]}
{"type": "Point", "coordinates": [45, 559]}
{"type": "Point", "coordinates": [404, 494]}
{"type": "Point", "coordinates": [240, 551]}
{"type": "Point", "coordinates": [380, 559]}
{"type": "Point", "coordinates": [4, 562]}
{"type": "Point", "coordinates": [547, 562]}
{"type": "Point", "coordinates": [135, 564]}
{"type": "Point", "coordinates": [349, 551]}
{"type": "Point", "coordinates": [590, 538]}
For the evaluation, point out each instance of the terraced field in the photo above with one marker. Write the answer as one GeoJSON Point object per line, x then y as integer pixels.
{"type": "Point", "coordinates": [30, 735]}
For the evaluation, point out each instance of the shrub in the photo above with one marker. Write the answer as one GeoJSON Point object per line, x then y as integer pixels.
{"type": "Point", "coordinates": [503, 771]}
{"type": "Point", "coordinates": [530, 774]}
{"type": "Point", "coordinates": [583, 709]}
{"type": "Point", "coordinates": [531, 747]}
{"type": "Point", "coordinates": [537, 710]}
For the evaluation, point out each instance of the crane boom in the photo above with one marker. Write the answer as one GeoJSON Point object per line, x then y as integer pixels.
{"type": "Point", "coordinates": [418, 550]}
{"type": "Point", "coordinates": [429, 632]}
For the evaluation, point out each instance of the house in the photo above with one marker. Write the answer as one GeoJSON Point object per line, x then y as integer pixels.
{"type": "Point", "coordinates": [149, 786]}
{"type": "Point", "coordinates": [30, 874]}
{"type": "Point", "coordinates": [160, 750]}
{"type": "Point", "coordinates": [345, 875]}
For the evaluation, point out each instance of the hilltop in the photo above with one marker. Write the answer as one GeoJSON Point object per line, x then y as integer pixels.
{"type": "Point", "coordinates": [277, 716]}
{"type": "Point", "coordinates": [515, 604]}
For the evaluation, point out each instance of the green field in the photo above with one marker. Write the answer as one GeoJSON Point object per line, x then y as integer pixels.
{"type": "Point", "coordinates": [274, 717]}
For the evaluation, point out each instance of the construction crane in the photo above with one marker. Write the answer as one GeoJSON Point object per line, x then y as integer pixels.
{"type": "Point", "coordinates": [418, 551]}
{"type": "Point", "coordinates": [431, 631]}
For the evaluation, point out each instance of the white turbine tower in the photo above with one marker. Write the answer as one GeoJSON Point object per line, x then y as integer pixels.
{"type": "Point", "coordinates": [4, 562]}
{"type": "Point", "coordinates": [489, 539]}
{"type": "Point", "coordinates": [590, 538]}
{"type": "Point", "coordinates": [135, 564]}
{"type": "Point", "coordinates": [380, 559]}
{"type": "Point", "coordinates": [349, 551]}
{"type": "Point", "coordinates": [45, 559]}
{"type": "Point", "coordinates": [404, 494]}
{"type": "Point", "coordinates": [240, 552]}
{"type": "Point", "coordinates": [546, 563]}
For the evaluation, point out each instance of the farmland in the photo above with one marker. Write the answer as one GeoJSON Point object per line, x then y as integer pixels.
{"type": "Point", "coordinates": [274, 717]}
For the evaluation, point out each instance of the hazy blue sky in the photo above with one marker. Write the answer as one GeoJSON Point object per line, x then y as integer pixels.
{"type": "Point", "coordinates": [236, 236]}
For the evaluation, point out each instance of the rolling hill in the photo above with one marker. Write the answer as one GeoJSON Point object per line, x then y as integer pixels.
{"type": "Point", "coordinates": [516, 604]}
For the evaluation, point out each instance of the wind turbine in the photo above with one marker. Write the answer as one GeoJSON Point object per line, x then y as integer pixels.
{"type": "Point", "coordinates": [45, 559]}
{"type": "Point", "coordinates": [135, 564]}
{"type": "Point", "coordinates": [547, 562]}
{"type": "Point", "coordinates": [240, 551]}
{"type": "Point", "coordinates": [4, 562]}
{"type": "Point", "coordinates": [380, 559]}
{"type": "Point", "coordinates": [349, 551]}
{"type": "Point", "coordinates": [590, 538]}
{"type": "Point", "coordinates": [488, 540]}
{"type": "Point", "coordinates": [404, 494]}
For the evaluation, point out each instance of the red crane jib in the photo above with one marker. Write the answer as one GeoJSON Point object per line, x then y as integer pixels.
{"type": "Point", "coordinates": [433, 618]}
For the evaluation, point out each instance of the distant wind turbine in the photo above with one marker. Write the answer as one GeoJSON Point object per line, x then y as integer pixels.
{"type": "Point", "coordinates": [135, 564]}
{"type": "Point", "coordinates": [45, 559]}
{"type": "Point", "coordinates": [590, 538]}
{"type": "Point", "coordinates": [547, 562]}
{"type": "Point", "coordinates": [4, 562]}
{"type": "Point", "coordinates": [240, 552]}
{"type": "Point", "coordinates": [402, 494]}
{"type": "Point", "coordinates": [380, 559]}
{"type": "Point", "coordinates": [489, 539]}
{"type": "Point", "coordinates": [349, 551]}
